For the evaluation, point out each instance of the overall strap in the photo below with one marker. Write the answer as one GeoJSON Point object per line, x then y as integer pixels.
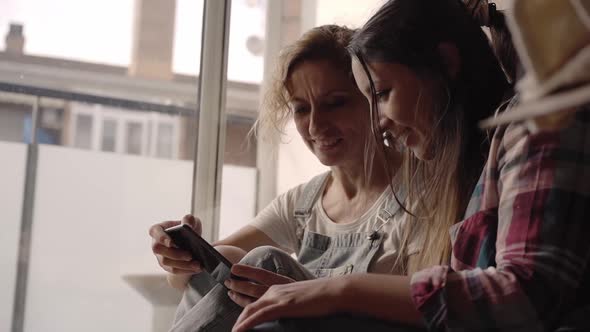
{"type": "Point", "coordinates": [391, 207]}
{"type": "Point", "coordinates": [311, 192]}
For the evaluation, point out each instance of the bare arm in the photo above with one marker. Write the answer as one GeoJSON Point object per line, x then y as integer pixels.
{"type": "Point", "coordinates": [381, 296]}
{"type": "Point", "coordinates": [179, 264]}
{"type": "Point", "coordinates": [247, 238]}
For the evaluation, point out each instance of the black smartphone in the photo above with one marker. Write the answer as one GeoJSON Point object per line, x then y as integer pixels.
{"type": "Point", "coordinates": [185, 238]}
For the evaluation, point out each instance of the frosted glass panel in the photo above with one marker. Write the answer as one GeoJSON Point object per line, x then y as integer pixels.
{"type": "Point", "coordinates": [12, 181]}
{"type": "Point", "coordinates": [238, 199]}
{"type": "Point", "coordinates": [92, 213]}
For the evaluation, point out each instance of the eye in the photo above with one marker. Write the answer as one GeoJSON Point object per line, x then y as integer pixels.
{"type": "Point", "coordinates": [300, 109]}
{"type": "Point", "coordinates": [334, 103]}
{"type": "Point", "coordinates": [382, 95]}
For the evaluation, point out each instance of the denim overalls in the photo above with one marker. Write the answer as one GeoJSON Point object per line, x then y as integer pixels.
{"type": "Point", "coordinates": [205, 305]}
{"type": "Point", "coordinates": [342, 254]}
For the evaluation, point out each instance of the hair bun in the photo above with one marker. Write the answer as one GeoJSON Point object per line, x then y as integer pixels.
{"type": "Point", "coordinates": [492, 13]}
{"type": "Point", "coordinates": [483, 12]}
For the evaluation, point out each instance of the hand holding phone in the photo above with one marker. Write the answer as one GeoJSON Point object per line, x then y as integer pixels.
{"type": "Point", "coordinates": [178, 262]}
{"type": "Point", "coordinates": [208, 257]}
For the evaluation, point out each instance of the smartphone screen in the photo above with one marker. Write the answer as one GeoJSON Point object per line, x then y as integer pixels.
{"type": "Point", "coordinates": [210, 259]}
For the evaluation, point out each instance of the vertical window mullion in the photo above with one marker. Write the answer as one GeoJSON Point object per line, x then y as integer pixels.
{"type": "Point", "coordinates": [211, 134]}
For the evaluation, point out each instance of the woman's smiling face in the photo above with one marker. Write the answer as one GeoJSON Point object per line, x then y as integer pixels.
{"type": "Point", "coordinates": [330, 113]}
{"type": "Point", "coordinates": [403, 103]}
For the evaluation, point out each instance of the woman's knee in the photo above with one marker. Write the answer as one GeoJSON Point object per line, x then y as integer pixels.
{"type": "Point", "coordinates": [232, 253]}
{"type": "Point", "coordinates": [278, 261]}
{"type": "Point", "coordinates": [259, 255]}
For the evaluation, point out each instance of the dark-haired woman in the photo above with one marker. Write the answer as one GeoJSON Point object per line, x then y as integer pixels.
{"type": "Point", "coordinates": [520, 255]}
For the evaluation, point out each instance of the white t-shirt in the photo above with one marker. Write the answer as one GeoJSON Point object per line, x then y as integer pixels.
{"type": "Point", "coordinates": [278, 223]}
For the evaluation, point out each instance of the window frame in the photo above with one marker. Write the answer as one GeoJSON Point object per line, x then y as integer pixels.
{"type": "Point", "coordinates": [149, 123]}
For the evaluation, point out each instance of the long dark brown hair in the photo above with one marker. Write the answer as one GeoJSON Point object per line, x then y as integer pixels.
{"type": "Point", "coordinates": [487, 15]}
{"type": "Point", "coordinates": [410, 32]}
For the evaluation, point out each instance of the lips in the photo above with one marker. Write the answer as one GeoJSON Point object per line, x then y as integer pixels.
{"type": "Point", "coordinates": [326, 143]}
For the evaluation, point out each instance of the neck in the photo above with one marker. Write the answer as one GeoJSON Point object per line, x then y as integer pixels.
{"type": "Point", "coordinates": [353, 180]}
{"type": "Point", "coordinates": [349, 192]}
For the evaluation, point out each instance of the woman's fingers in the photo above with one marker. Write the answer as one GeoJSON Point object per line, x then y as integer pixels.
{"type": "Point", "coordinates": [179, 267]}
{"type": "Point", "coordinates": [258, 275]}
{"type": "Point", "coordinates": [257, 283]}
{"type": "Point", "coordinates": [239, 299]}
{"type": "Point", "coordinates": [169, 257]}
{"type": "Point", "coordinates": [194, 223]}
{"type": "Point", "coordinates": [159, 235]}
{"type": "Point", "coordinates": [174, 260]}
{"type": "Point", "coordinates": [246, 288]}
{"type": "Point", "coordinates": [171, 253]}
{"type": "Point", "coordinates": [256, 314]}
{"type": "Point", "coordinates": [176, 270]}
{"type": "Point", "coordinates": [193, 266]}
{"type": "Point", "coordinates": [157, 231]}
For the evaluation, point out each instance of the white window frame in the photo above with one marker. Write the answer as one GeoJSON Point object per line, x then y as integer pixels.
{"type": "Point", "coordinates": [212, 87]}
{"type": "Point", "coordinates": [149, 123]}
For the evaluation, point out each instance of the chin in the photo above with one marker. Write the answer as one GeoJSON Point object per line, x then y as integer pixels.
{"type": "Point", "coordinates": [422, 154]}
{"type": "Point", "coordinates": [328, 159]}
{"type": "Point", "coordinates": [328, 162]}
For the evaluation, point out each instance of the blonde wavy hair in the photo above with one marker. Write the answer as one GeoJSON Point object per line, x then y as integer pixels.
{"type": "Point", "coordinates": [327, 42]}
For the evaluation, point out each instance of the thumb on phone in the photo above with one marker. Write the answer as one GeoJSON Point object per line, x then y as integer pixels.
{"type": "Point", "coordinates": [194, 223]}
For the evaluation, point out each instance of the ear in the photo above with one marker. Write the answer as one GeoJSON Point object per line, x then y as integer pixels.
{"type": "Point", "coordinates": [451, 58]}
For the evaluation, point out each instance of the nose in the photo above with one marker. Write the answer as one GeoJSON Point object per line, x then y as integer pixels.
{"type": "Point", "coordinates": [386, 124]}
{"type": "Point", "coordinates": [317, 122]}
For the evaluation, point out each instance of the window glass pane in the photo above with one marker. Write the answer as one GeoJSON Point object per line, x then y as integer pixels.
{"type": "Point", "coordinates": [164, 148]}
{"type": "Point", "coordinates": [51, 125]}
{"type": "Point", "coordinates": [245, 71]}
{"type": "Point", "coordinates": [109, 135]}
{"type": "Point", "coordinates": [351, 13]}
{"type": "Point", "coordinates": [134, 138]}
{"type": "Point", "coordinates": [16, 115]}
{"type": "Point", "coordinates": [83, 136]}
{"type": "Point", "coordinates": [102, 86]}
{"type": "Point", "coordinates": [246, 41]}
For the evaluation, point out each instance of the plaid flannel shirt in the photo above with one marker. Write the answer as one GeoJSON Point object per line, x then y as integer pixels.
{"type": "Point", "coordinates": [520, 258]}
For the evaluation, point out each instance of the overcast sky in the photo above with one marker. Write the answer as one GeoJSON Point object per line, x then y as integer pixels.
{"type": "Point", "coordinates": [101, 31]}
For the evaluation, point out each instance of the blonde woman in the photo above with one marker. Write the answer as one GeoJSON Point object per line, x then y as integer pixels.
{"type": "Point", "coordinates": [346, 221]}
